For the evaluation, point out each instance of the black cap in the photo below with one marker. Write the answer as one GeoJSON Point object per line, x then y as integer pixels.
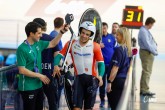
{"type": "Point", "coordinates": [40, 21]}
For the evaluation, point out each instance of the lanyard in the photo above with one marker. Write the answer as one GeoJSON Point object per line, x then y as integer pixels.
{"type": "Point", "coordinates": [35, 57]}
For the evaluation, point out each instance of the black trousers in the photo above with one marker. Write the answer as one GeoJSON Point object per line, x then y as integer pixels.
{"type": "Point", "coordinates": [115, 94]}
{"type": "Point", "coordinates": [84, 91]}
{"type": "Point", "coordinates": [60, 86]}
{"type": "Point", "coordinates": [51, 92]}
{"type": "Point", "coordinates": [33, 100]}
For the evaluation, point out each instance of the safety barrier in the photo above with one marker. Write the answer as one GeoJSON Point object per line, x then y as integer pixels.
{"type": "Point", "coordinates": [9, 97]}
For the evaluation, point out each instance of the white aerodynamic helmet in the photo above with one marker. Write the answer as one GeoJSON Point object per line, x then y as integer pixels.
{"type": "Point", "coordinates": [88, 25]}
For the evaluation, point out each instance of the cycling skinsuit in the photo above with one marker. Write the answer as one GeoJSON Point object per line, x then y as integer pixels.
{"type": "Point", "coordinates": [84, 61]}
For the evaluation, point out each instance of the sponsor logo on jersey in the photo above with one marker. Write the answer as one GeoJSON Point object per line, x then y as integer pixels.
{"type": "Point", "coordinates": [109, 40]}
{"type": "Point", "coordinates": [86, 69]}
{"type": "Point", "coordinates": [30, 51]}
{"type": "Point", "coordinates": [115, 61]}
{"type": "Point", "coordinates": [85, 54]}
{"type": "Point", "coordinates": [76, 47]}
{"type": "Point", "coordinates": [31, 96]}
{"type": "Point", "coordinates": [37, 48]}
{"type": "Point", "coordinates": [88, 45]}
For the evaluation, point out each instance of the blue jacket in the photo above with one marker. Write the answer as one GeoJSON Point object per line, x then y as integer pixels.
{"type": "Point", "coordinates": [109, 42]}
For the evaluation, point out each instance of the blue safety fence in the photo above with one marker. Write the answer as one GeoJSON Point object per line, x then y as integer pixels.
{"type": "Point", "coordinates": [9, 97]}
{"type": "Point", "coordinates": [10, 60]}
{"type": "Point", "coordinates": [1, 60]}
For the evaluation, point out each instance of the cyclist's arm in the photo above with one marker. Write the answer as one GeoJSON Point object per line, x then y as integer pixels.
{"type": "Point", "coordinates": [101, 68]}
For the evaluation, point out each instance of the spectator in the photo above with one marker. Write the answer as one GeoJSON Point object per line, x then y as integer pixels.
{"type": "Point", "coordinates": [58, 24]}
{"type": "Point", "coordinates": [148, 49]}
{"type": "Point", "coordinates": [119, 67]}
{"type": "Point", "coordinates": [107, 47]}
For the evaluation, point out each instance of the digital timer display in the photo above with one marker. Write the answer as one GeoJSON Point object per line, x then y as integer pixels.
{"type": "Point", "coordinates": [132, 17]}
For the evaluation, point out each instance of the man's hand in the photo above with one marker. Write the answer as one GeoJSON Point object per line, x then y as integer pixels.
{"type": "Point", "coordinates": [65, 28]}
{"type": "Point", "coordinates": [56, 39]}
{"type": "Point", "coordinates": [56, 71]}
{"type": "Point", "coordinates": [44, 78]}
{"type": "Point", "coordinates": [109, 87]}
{"type": "Point", "coordinates": [100, 80]}
{"type": "Point", "coordinates": [102, 45]}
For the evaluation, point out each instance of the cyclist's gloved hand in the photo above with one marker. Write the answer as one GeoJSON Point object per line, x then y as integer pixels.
{"type": "Point", "coordinates": [100, 80]}
{"type": "Point", "coordinates": [56, 71]}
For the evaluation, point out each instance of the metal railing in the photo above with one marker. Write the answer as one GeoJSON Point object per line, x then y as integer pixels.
{"type": "Point", "coordinates": [6, 68]}
{"type": "Point", "coordinates": [9, 97]}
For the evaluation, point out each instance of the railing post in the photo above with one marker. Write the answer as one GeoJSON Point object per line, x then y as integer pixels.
{"type": "Point", "coordinates": [1, 90]}
{"type": "Point", "coordinates": [133, 76]}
